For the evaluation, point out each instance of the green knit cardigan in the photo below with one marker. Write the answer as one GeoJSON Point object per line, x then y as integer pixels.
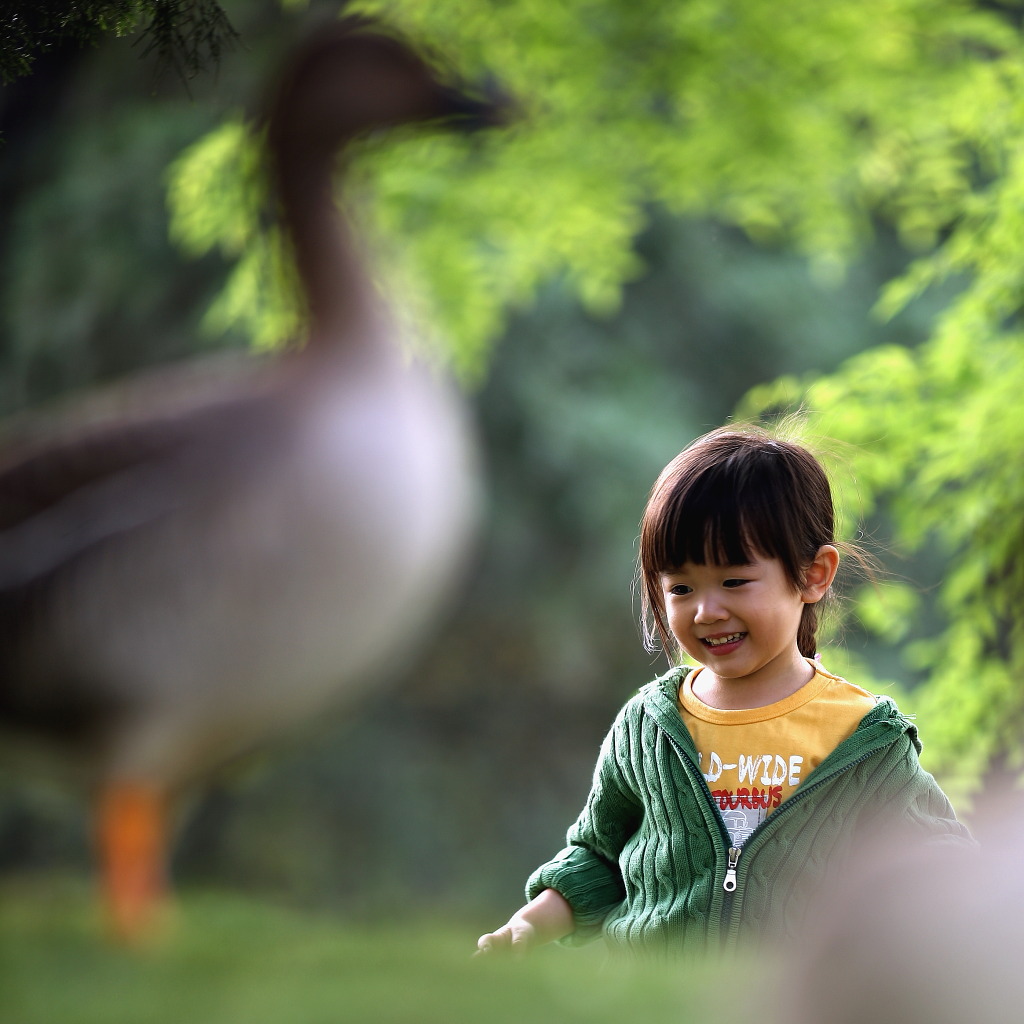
{"type": "Point", "coordinates": [647, 860]}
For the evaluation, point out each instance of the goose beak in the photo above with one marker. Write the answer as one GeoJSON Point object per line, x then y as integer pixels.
{"type": "Point", "coordinates": [488, 106]}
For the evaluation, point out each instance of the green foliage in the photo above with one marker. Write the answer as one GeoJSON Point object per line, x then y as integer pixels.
{"type": "Point", "coordinates": [91, 287]}
{"type": "Point", "coordinates": [793, 123]}
{"type": "Point", "coordinates": [186, 35]}
{"type": "Point", "coordinates": [216, 191]}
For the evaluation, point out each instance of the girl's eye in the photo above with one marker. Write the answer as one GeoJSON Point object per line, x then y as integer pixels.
{"type": "Point", "coordinates": [734, 583]}
{"type": "Point", "coordinates": [680, 590]}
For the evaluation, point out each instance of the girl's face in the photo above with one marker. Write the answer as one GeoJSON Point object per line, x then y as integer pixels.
{"type": "Point", "coordinates": [741, 622]}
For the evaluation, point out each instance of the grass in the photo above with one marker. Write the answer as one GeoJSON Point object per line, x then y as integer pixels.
{"type": "Point", "coordinates": [233, 960]}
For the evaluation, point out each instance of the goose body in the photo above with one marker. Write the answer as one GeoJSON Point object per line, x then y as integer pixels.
{"type": "Point", "coordinates": [215, 554]}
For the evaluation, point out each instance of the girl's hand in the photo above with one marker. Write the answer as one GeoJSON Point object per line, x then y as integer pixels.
{"type": "Point", "coordinates": [543, 919]}
{"type": "Point", "coordinates": [515, 938]}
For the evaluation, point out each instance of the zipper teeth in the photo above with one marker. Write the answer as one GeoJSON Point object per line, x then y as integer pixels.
{"type": "Point", "coordinates": [728, 895]}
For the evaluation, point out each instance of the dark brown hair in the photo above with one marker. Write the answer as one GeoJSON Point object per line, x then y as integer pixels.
{"type": "Point", "coordinates": [734, 494]}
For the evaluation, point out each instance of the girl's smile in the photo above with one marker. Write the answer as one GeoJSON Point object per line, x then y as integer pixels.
{"type": "Point", "coordinates": [719, 645]}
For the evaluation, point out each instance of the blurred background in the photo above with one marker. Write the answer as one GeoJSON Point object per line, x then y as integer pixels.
{"type": "Point", "coordinates": [703, 212]}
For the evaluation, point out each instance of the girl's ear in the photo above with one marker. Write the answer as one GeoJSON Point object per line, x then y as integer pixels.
{"type": "Point", "coordinates": [820, 574]}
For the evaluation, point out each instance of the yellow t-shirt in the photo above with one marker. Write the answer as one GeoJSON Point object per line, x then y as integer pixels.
{"type": "Point", "coordinates": [755, 758]}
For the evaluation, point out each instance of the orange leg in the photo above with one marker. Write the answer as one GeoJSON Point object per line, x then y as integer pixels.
{"type": "Point", "coordinates": [131, 824]}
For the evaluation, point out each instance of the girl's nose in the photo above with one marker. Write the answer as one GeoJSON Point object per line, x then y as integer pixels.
{"type": "Point", "coordinates": [709, 609]}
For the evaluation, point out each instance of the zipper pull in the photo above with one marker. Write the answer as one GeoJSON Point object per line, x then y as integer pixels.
{"type": "Point", "coordinates": [730, 872]}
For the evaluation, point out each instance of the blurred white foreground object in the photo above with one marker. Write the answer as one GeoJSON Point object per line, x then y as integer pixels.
{"type": "Point", "coordinates": [928, 935]}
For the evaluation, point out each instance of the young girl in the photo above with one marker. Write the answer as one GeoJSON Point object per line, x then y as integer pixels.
{"type": "Point", "coordinates": [725, 793]}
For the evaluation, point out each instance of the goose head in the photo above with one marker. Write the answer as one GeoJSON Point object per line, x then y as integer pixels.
{"type": "Point", "coordinates": [353, 78]}
{"type": "Point", "coordinates": [348, 79]}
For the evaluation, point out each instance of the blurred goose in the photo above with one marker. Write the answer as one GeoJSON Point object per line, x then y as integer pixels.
{"type": "Point", "coordinates": [209, 555]}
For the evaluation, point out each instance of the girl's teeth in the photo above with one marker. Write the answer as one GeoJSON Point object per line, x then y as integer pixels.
{"type": "Point", "coordinates": [718, 641]}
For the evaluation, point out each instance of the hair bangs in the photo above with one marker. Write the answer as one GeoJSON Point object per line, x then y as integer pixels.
{"type": "Point", "coordinates": [704, 529]}
{"type": "Point", "coordinates": [728, 515]}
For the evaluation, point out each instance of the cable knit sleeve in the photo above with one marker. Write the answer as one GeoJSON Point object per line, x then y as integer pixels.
{"type": "Point", "coordinates": [586, 872]}
{"type": "Point", "coordinates": [903, 802]}
{"type": "Point", "coordinates": [927, 811]}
